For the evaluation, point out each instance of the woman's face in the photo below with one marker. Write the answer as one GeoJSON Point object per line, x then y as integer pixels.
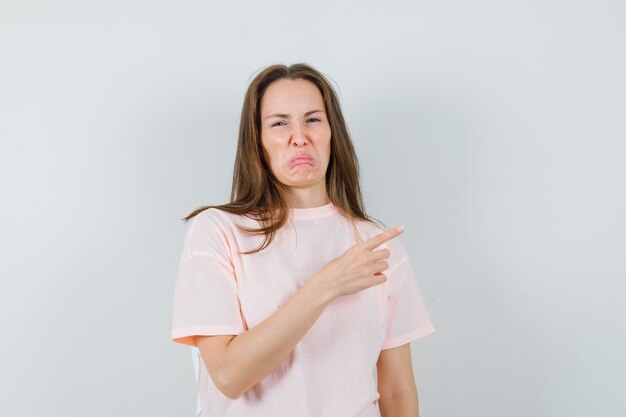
{"type": "Point", "coordinates": [294, 123]}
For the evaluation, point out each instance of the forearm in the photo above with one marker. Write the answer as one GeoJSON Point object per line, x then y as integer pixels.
{"type": "Point", "coordinates": [405, 405]}
{"type": "Point", "coordinates": [252, 355]}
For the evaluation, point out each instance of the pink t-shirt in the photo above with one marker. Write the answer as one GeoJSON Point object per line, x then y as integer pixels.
{"type": "Point", "coordinates": [330, 372]}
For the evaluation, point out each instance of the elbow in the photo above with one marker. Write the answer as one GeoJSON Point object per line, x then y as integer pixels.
{"type": "Point", "coordinates": [230, 393]}
{"type": "Point", "coordinates": [226, 387]}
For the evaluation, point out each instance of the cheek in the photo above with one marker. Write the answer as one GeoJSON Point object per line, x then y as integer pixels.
{"type": "Point", "coordinates": [274, 154]}
{"type": "Point", "coordinates": [268, 153]}
{"type": "Point", "coordinates": [326, 148]}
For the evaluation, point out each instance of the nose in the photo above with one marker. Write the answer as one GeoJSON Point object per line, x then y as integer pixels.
{"type": "Point", "coordinates": [298, 135]}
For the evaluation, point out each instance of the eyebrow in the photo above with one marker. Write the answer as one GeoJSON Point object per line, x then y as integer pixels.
{"type": "Point", "coordinates": [286, 115]}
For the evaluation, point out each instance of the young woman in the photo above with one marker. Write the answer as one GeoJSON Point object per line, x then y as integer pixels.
{"type": "Point", "coordinates": [294, 296]}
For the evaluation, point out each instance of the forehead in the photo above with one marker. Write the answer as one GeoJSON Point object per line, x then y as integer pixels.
{"type": "Point", "coordinates": [284, 94]}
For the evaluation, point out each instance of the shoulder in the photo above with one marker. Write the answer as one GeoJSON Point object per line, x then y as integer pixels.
{"type": "Point", "coordinates": [209, 231]}
{"type": "Point", "coordinates": [211, 224]}
{"type": "Point", "coordinates": [216, 223]}
{"type": "Point", "coordinates": [209, 216]}
{"type": "Point", "coordinates": [215, 218]}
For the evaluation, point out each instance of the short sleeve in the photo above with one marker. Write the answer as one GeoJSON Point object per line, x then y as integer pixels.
{"type": "Point", "coordinates": [407, 317]}
{"type": "Point", "coordinates": [206, 298]}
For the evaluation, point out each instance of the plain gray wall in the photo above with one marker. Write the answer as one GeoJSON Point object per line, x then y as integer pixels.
{"type": "Point", "coordinates": [494, 130]}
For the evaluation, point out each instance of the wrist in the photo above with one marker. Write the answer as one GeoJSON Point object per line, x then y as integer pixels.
{"type": "Point", "coordinates": [318, 291]}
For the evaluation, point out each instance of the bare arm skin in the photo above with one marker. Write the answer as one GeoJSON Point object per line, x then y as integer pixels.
{"type": "Point", "coordinates": [396, 384]}
{"type": "Point", "coordinates": [237, 363]}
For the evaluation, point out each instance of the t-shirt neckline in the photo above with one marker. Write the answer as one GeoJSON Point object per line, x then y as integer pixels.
{"type": "Point", "coordinates": [312, 213]}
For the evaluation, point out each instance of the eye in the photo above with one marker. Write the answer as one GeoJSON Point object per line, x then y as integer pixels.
{"type": "Point", "coordinates": [276, 123]}
{"type": "Point", "coordinates": [315, 118]}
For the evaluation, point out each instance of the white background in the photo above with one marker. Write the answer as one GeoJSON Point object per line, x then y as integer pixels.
{"type": "Point", "coordinates": [494, 130]}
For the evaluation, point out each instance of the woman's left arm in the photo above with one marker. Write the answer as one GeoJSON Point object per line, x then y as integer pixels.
{"type": "Point", "coordinates": [396, 384]}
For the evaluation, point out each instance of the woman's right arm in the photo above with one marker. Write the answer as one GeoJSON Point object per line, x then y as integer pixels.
{"type": "Point", "coordinates": [237, 363]}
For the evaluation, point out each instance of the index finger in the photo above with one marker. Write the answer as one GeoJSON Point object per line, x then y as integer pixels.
{"type": "Point", "coordinates": [383, 237]}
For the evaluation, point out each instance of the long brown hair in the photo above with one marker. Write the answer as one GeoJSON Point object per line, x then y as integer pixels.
{"type": "Point", "coordinates": [256, 193]}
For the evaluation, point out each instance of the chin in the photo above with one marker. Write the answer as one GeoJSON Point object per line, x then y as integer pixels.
{"type": "Point", "coordinates": [308, 180]}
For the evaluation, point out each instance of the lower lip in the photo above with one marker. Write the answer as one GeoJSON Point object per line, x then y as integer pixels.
{"type": "Point", "coordinates": [301, 161]}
